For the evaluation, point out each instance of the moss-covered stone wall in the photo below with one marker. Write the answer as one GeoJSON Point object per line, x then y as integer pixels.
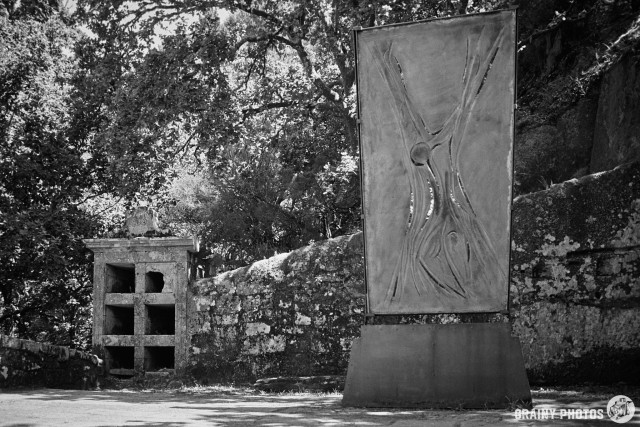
{"type": "Point", "coordinates": [574, 297]}
{"type": "Point", "coordinates": [25, 363]}
{"type": "Point", "coordinates": [575, 278]}
{"type": "Point", "coordinates": [292, 314]}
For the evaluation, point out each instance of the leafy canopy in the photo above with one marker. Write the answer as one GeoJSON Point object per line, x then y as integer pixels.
{"type": "Point", "coordinates": [260, 103]}
{"type": "Point", "coordinates": [44, 174]}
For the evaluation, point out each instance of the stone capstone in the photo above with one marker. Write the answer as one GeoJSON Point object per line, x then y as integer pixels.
{"type": "Point", "coordinates": [141, 221]}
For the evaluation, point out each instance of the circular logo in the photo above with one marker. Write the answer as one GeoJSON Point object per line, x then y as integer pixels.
{"type": "Point", "coordinates": [620, 409]}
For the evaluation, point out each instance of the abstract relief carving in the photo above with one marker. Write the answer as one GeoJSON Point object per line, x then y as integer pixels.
{"type": "Point", "coordinates": [445, 251]}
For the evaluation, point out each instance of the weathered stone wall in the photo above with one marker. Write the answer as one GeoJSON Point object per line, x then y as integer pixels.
{"type": "Point", "coordinates": [574, 295]}
{"type": "Point", "coordinates": [293, 314]}
{"type": "Point", "coordinates": [575, 285]}
{"type": "Point", "coordinates": [26, 363]}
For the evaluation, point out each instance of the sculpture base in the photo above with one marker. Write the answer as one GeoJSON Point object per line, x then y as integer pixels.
{"type": "Point", "coordinates": [466, 365]}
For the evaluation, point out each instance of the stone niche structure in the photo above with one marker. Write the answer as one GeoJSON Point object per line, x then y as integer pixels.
{"type": "Point", "coordinates": [139, 303]}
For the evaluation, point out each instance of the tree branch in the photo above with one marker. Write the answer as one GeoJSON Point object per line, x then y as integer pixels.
{"type": "Point", "coordinates": [246, 7]}
{"type": "Point", "coordinates": [267, 106]}
{"type": "Point", "coordinates": [255, 39]}
{"type": "Point", "coordinates": [333, 44]}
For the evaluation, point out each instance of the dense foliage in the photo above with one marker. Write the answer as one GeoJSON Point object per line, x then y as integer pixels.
{"type": "Point", "coordinates": [234, 118]}
{"type": "Point", "coordinates": [260, 101]}
{"type": "Point", "coordinates": [44, 174]}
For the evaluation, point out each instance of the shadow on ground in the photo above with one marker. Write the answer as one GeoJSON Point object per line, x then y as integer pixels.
{"type": "Point", "coordinates": [242, 408]}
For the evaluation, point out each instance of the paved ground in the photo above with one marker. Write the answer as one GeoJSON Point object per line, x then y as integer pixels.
{"type": "Point", "coordinates": [221, 407]}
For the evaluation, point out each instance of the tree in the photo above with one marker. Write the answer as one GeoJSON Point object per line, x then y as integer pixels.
{"type": "Point", "coordinates": [45, 285]}
{"type": "Point", "coordinates": [281, 149]}
{"type": "Point", "coordinates": [241, 129]}
{"type": "Point", "coordinates": [40, 10]}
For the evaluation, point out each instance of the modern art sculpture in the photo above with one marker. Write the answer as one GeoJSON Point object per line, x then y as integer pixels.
{"type": "Point", "coordinates": [436, 116]}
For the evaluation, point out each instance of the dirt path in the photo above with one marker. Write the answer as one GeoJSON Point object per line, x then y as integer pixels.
{"type": "Point", "coordinates": [49, 407]}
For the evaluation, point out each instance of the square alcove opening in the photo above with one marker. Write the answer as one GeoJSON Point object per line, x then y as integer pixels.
{"type": "Point", "coordinates": [153, 281]}
{"type": "Point", "coordinates": [161, 320]}
{"type": "Point", "coordinates": [120, 278]}
{"type": "Point", "coordinates": [158, 358]}
{"type": "Point", "coordinates": [118, 320]}
{"type": "Point", "coordinates": [119, 357]}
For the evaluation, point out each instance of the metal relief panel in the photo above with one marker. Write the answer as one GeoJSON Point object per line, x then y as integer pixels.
{"type": "Point", "coordinates": [436, 108]}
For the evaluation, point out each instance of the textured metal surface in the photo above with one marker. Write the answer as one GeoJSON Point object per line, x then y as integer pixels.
{"type": "Point", "coordinates": [470, 365]}
{"type": "Point", "coordinates": [435, 101]}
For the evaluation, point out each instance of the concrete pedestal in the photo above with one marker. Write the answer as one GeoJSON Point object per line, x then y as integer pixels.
{"type": "Point", "coordinates": [470, 365]}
